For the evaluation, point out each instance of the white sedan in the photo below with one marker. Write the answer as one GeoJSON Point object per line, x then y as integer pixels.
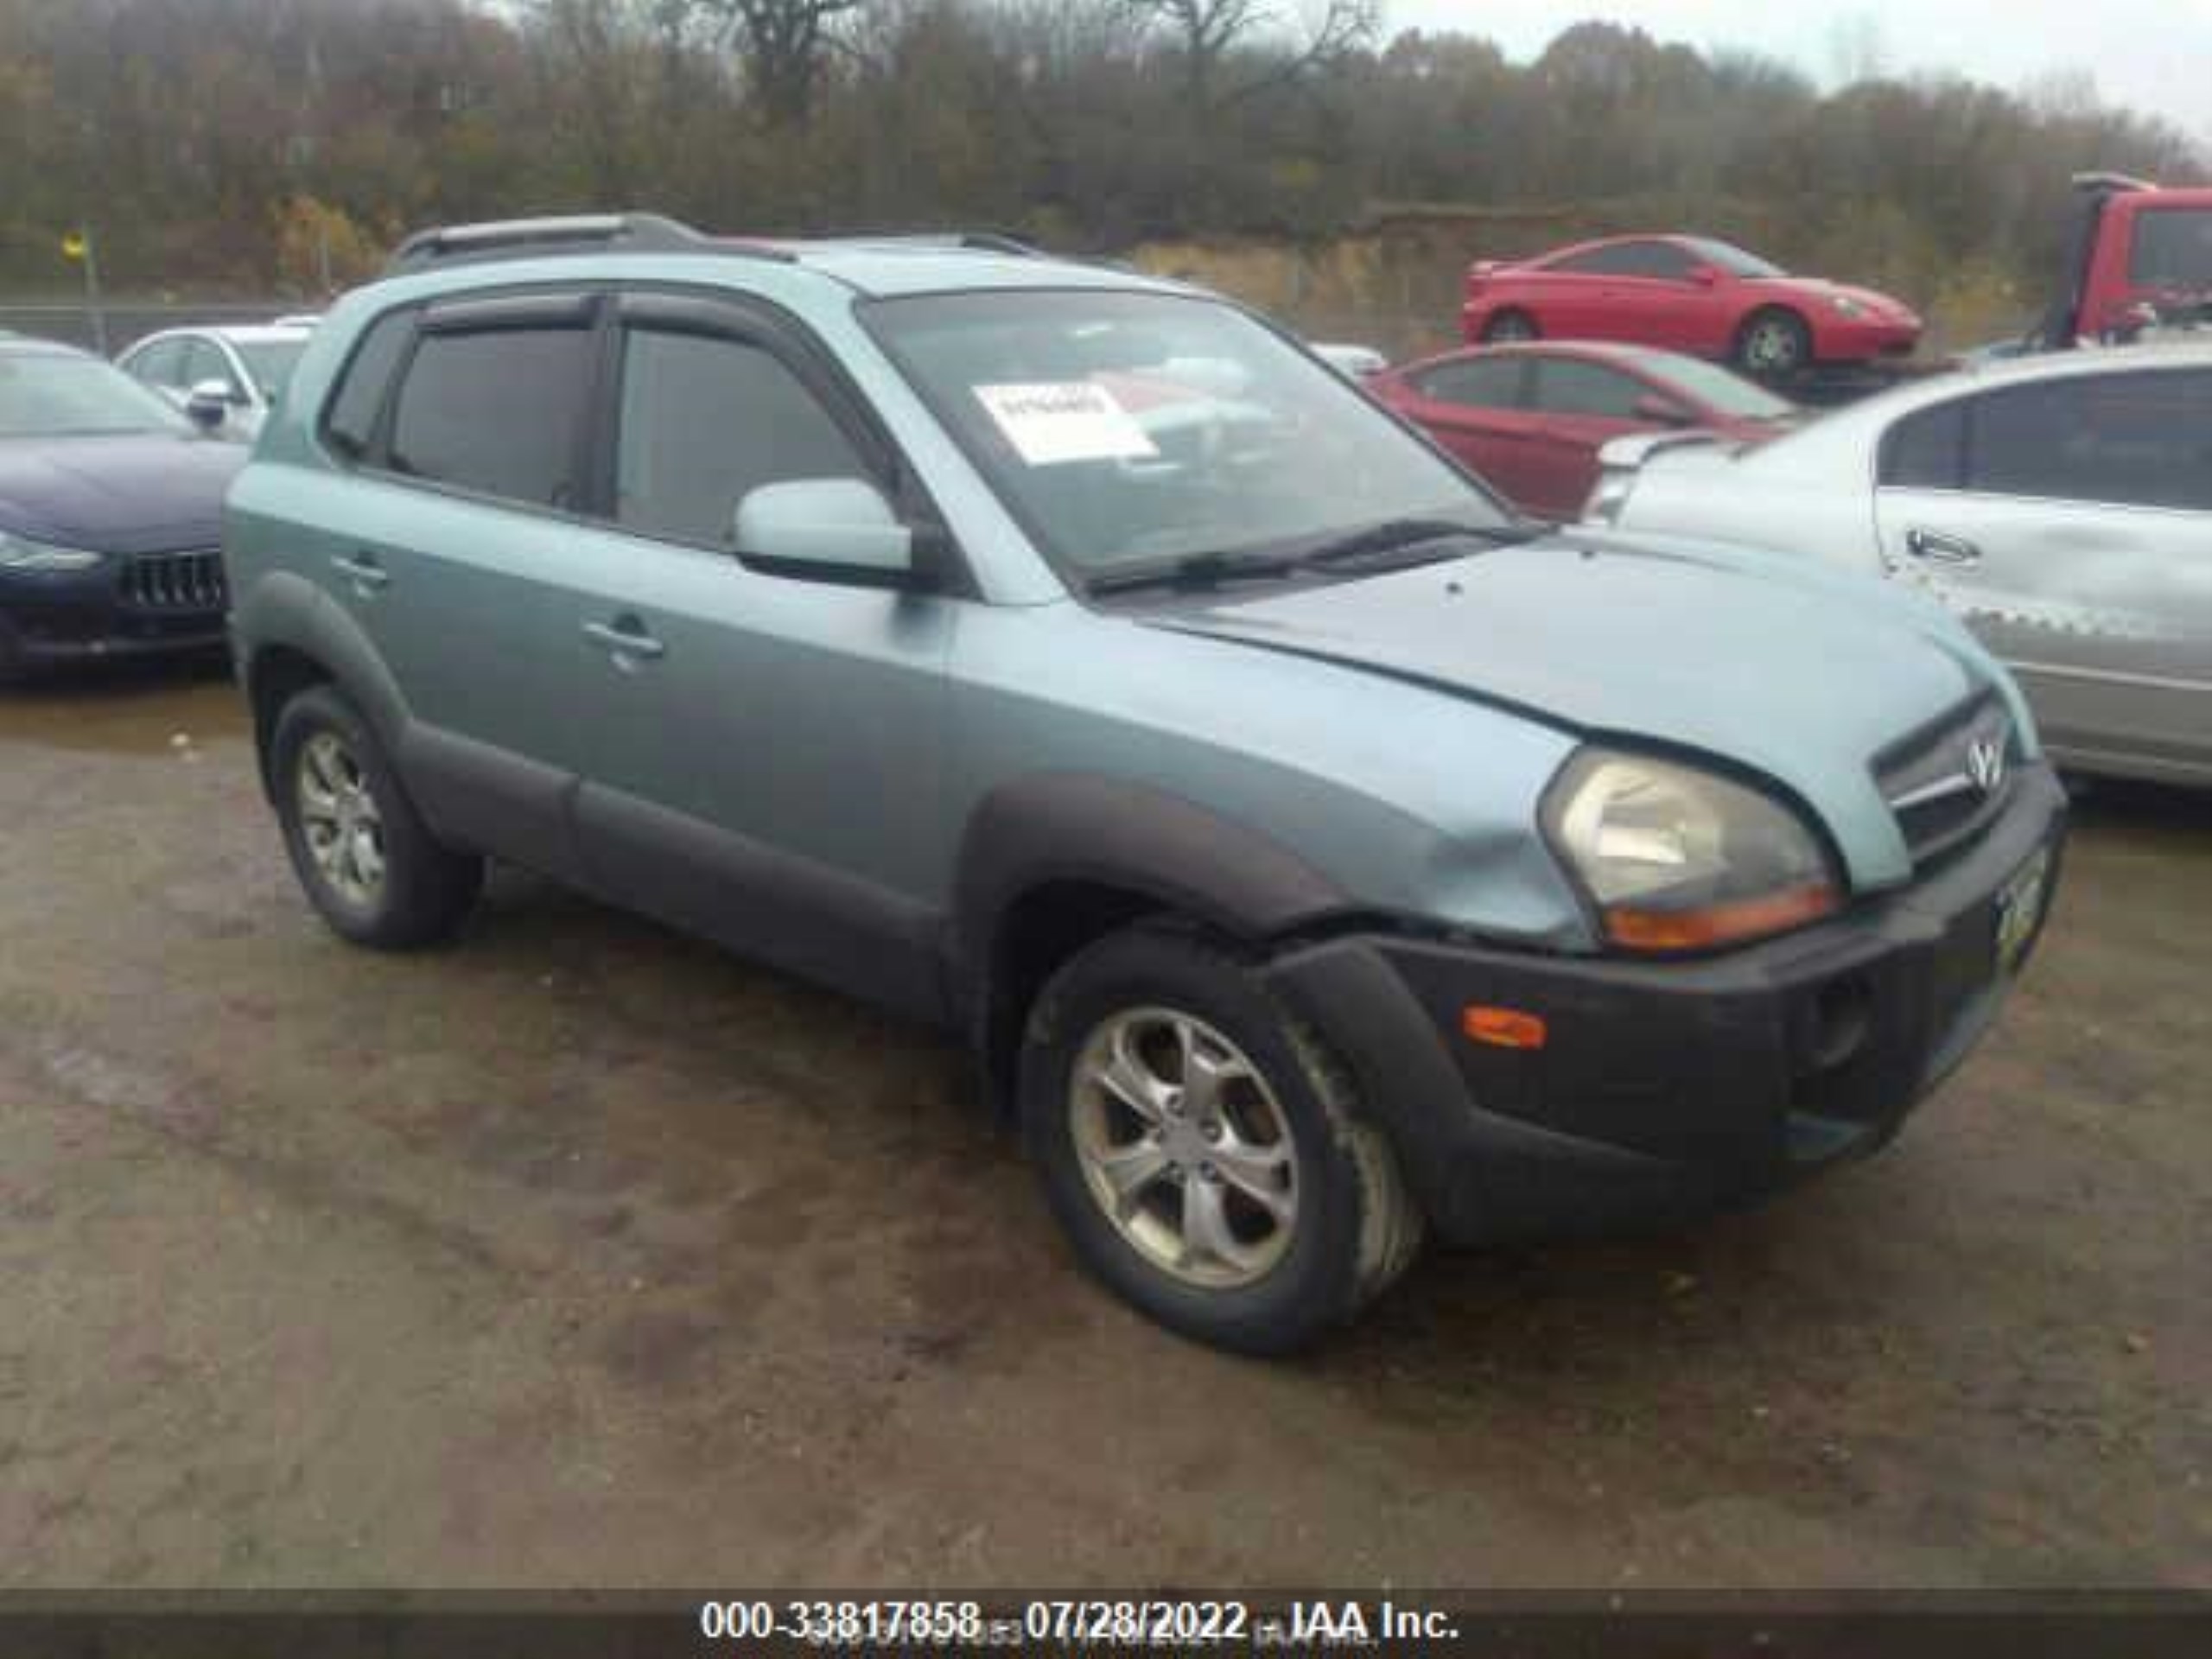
{"type": "Point", "coordinates": [2061, 504]}
{"type": "Point", "coordinates": [224, 377]}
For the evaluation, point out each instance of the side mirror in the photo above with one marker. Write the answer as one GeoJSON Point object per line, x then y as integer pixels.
{"type": "Point", "coordinates": [208, 404]}
{"type": "Point", "coordinates": [1705, 276]}
{"type": "Point", "coordinates": [1663, 411]}
{"type": "Point", "coordinates": [826, 528]}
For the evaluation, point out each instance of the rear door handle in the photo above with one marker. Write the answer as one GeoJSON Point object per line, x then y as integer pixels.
{"type": "Point", "coordinates": [1943, 550]}
{"type": "Point", "coordinates": [361, 569]}
{"type": "Point", "coordinates": [626, 638]}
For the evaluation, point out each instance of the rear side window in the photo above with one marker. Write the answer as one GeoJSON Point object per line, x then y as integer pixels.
{"type": "Point", "coordinates": [703, 420]}
{"type": "Point", "coordinates": [1927, 451]}
{"type": "Point", "coordinates": [1474, 382]}
{"type": "Point", "coordinates": [1566, 387]}
{"type": "Point", "coordinates": [2130, 439]}
{"type": "Point", "coordinates": [352, 421]}
{"type": "Point", "coordinates": [499, 411]}
{"type": "Point", "coordinates": [1661, 259]}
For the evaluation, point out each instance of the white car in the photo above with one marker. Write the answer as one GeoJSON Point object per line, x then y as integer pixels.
{"type": "Point", "coordinates": [226, 378]}
{"type": "Point", "coordinates": [2061, 504]}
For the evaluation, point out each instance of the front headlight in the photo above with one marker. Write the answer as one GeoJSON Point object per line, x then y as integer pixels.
{"type": "Point", "coordinates": [21, 553]}
{"type": "Point", "coordinates": [1678, 859]}
{"type": "Point", "coordinates": [1844, 306]}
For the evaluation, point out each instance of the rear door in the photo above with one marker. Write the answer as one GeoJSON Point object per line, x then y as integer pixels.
{"type": "Point", "coordinates": [1475, 408]}
{"type": "Point", "coordinates": [2070, 522]}
{"type": "Point", "coordinates": [1576, 405]}
{"type": "Point", "coordinates": [760, 754]}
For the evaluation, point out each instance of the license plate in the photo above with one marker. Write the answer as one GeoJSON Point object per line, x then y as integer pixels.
{"type": "Point", "coordinates": [2020, 906]}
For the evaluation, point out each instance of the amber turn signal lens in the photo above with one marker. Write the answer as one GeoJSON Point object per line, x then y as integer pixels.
{"type": "Point", "coordinates": [1717, 925]}
{"type": "Point", "coordinates": [1503, 1028]}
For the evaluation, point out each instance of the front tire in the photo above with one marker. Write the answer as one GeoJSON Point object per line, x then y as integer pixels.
{"type": "Point", "coordinates": [1205, 1154]}
{"type": "Point", "coordinates": [1773, 344]}
{"type": "Point", "coordinates": [368, 863]}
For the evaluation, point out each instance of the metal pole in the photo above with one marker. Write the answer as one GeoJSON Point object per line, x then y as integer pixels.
{"type": "Point", "coordinates": [92, 293]}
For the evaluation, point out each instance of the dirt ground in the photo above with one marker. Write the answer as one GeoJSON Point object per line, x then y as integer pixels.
{"type": "Point", "coordinates": [582, 1254]}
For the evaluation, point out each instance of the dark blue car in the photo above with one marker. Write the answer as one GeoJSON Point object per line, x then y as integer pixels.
{"type": "Point", "coordinates": [109, 515]}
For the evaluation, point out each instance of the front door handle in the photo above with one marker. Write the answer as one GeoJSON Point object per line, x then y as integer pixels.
{"type": "Point", "coordinates": [1943, 550]}
{"type": "Point", "coordinates": [362, 570]}
{"type": "Point", "coordinates": [626, 638]}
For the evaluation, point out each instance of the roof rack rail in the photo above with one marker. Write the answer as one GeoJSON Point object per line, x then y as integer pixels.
{"type": "Point", "coordinates": [522, 238]}
{"type": "Point", "coordinates": [977, 241]}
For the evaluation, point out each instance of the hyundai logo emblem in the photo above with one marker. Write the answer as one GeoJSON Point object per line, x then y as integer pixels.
{"type": "Point", "coordinates": [1986, 763]}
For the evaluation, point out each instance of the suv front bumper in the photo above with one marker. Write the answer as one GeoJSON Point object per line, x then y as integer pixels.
{"type": "Point", "coordinates": [1666, 1088]}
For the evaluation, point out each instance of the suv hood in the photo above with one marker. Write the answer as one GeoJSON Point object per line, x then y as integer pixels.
{"type": "Point", "coordinates": [1781, 665]}
{"type": "Point", "coordinates": [130, 493]}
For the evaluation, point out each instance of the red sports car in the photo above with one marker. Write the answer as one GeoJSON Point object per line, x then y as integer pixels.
{"type": "Point", "coordinates": [1688, 294]}
{"type": "Point", "coordinates": [1531, 418]}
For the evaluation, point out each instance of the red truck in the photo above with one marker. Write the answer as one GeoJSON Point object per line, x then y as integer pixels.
{"type": "Point", "coordinates": [2140, 255]}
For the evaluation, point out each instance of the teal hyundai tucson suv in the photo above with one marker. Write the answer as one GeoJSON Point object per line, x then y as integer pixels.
{"type": "Point", "coordinates": [1317, 855]}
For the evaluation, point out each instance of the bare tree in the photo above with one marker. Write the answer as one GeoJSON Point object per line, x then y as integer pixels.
{"type": "Point", "coordinates": [783, 45]}
{"type": "Point", "coordinates": [1208, 30]}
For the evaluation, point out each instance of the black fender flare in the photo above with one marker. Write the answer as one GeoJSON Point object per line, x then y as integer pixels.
{"type": "Point", "coordinates": [286, 611]}
{"type": "Point", "coordinates": [1056, 828]}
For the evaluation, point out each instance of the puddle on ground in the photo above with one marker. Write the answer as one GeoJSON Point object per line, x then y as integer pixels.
{"type": "Point", "coordinates": [131, 709]}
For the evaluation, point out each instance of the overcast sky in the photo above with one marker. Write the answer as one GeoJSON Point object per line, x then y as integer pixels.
{"type": "Point", "coordinates": [2148, 54]}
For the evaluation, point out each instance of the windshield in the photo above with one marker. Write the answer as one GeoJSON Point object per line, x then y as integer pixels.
{"type": "Point", "coordinates": [1126, 430]}
{"type": "Point", "coordinates": [1716, 388]}
{"type": "Point", "coordinates": [44, 395]}
{"type": "Point", "coordinates": [269, 362]}
{"type": "Point", "coordinates": [1733, 259]}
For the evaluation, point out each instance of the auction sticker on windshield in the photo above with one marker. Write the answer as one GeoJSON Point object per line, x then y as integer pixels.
{"type": "Point", "coordinates": [1052, 422]}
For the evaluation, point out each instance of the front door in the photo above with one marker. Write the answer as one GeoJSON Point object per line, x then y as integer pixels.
{"type": "Point", "coordinates": [761, 754]}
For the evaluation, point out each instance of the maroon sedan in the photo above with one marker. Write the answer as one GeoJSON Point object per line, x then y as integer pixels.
{"type": "Point", "coordinates": [1531, 418]}
{"type": "Point", "coordinates": [1688, 294]}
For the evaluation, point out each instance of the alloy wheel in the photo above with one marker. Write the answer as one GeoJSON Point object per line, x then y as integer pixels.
{"type": "Point", "coordinates": [1185, 1147]}
{"type": "Point", "coordinates": [339, 822]}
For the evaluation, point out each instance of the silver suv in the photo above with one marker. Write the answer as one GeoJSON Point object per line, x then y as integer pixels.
{"type": "Point", "coordinates": [1316, 855]}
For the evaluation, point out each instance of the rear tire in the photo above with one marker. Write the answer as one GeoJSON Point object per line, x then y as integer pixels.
{"type": "Point", "coordinates": [1507, 327]}
{"type": "Point", "coordinates": [369, 864]}
{"type": "Point", "coordinates": [1773, 344]}
{"type": "Point", "coordinates": [1261, 1208]}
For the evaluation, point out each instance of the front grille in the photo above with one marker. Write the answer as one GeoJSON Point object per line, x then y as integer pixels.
{"type": "Point", "coordinates": [1941, 801]}
{"type": "Point", "coordinates": [176, 581]}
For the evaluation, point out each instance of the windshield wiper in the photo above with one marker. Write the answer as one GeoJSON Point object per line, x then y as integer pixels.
{"type": "Point", "coordinates": [1398, 535]}
{"type": "Point", "coordinates": [1196, 570]}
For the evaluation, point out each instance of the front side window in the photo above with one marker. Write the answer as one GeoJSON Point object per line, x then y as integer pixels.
{"type": "Point", "coordinates": [1565, 386]}
{"type": "Point", "coordinates": [61, 395]}
{"type": "Point", "coordinates": [703, 420]}
{"type": "Point", "coordinates": [1474, 382]}
{"type": "Point", "coordinates": [1128, 428]}
{"type": "Point", "coordinates": [498, 410]}
{"type": "Point", "coordinates": [2142, 439]}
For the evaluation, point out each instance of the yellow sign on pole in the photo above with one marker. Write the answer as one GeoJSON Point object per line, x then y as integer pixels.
{"type": "Point", "coordinates": [73, 245]}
